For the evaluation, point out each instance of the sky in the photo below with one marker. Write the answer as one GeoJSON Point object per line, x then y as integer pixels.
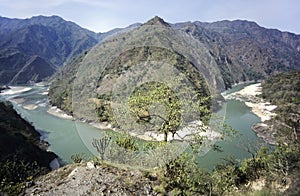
{"type": "Point", "coordinates": [104, 15]}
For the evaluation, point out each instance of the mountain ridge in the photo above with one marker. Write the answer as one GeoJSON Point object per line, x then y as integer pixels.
{"type": "Point", "coordinates": [242, 49]}
{"type": "Point", "coordinates": [228, 58]}
{"type": "Point", "coordinates": [52, 38]}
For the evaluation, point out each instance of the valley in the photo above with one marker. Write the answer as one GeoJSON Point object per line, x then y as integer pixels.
{"type": "Point", "coordinates": [156, 101]}
{"type": "Point", "coordinates": [60, 131]}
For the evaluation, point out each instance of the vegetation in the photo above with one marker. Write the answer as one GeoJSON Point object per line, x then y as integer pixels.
{"type": "Point", "coordinates": [60, 92]}
{"type": "Point", "coordinates": [78, 158]}
{"type": "Point", "coordinates": [127, 62]}
{"type": "Point", "coordinates": [167, 117]}
{"type": "Point", "coordinates": [185, 177]}
{"type": "Point", "coordinates": [22, 154]}
{"type": "Point", "coordinates": [283, 90]}
{"type": "Point", "coordinates": [239, 56]}
{"type": "Point", "coordinates": [277, 169]}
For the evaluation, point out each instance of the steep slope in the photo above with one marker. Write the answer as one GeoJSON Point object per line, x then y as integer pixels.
{"type": "Point", "coordinates": [36, 69]}
{"type": "Point", "coordinates": [283, 90]}
{"type": "Point", "coordinates": [50, 38]}
{"type": "Point", "coordinates": [232, 52]}
{"type": "Point", "coordinates": [154, 41]}
{"type": "Point", "coordinates": [244, 50]}
{"type": "Point", "coordinates": [22, 155]}
{"type": "Point", "coordinates": [60, 92]}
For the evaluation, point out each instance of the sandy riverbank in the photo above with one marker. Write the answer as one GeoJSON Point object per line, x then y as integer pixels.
{"type": "Point", "coordinates": [186, 133]}
{"type": "Point", "coordinates": [15, 89]}
{"type": "Point", "coordinates": [30, 107]}
{"type": "Point", "coordinates": [59, 113]}
{"type": "Point", "coordinates": [263, 109]}
{"type": "Point", "coordinates": [258, 106]}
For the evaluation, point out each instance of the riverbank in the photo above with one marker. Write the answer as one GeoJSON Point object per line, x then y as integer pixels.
{"type": "Point", "coordinates": [186, 133]}
{"type": "Point", "coordinates": [264, 110]}
{"type": "Point", "coordinates": [15, 90]}
{"type": "Point", "coordinates": [259, 107]}
{"type": "Point", "coordinates": [55, 111]}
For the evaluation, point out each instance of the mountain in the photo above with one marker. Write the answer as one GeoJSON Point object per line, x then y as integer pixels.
{"type": "Point", "coordinates": [52, 39]}
{"type": "Point", "coordinates": [104, 65]}
{"type": "Point", "coordinates": [32, 49]}
{"type": "Point", "coordinates": [245, 51]}
{"type": "Point", "coordinates": [225, 53]}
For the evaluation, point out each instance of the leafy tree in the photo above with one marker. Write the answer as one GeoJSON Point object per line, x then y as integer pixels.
{"type": "Point", "coordinates": [156, 104]}
{"type": "Point", "coordinates": [143, 98]}
{"type": "Point", "coordinates": [14, 173]}
{"type": "Point", "coordinates": [185, 178]}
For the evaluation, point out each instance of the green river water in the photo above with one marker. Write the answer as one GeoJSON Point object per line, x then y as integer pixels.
{"type": "Point", "coordinates": [65, 139]}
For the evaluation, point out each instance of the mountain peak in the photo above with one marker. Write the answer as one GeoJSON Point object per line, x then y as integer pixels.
{"type": "Point", "coordinates": [157, 21]}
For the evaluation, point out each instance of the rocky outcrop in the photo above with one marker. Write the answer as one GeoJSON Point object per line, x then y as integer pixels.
{"type": "Point", "coordinates": [90, 179]}
{"type": "Point", "coordinates": [265, 132]}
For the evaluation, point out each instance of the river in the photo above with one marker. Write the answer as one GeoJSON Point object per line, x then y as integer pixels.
{"type": "Point", "coordinates": [65, 138]}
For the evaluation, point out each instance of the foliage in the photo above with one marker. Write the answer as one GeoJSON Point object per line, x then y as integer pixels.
{"type": "Point", "coordinates": [78, 158]}
{"type": "Point", "coordinates": [126, 141]}
{"type": "Point", "coordinates": [142, 99]}
{"type": "Point", "coordinates": [278, 166]}
{"type": "Point", "coordinates": [15, 173]}
{"type": "Point", "coordinates": [21, 153]}
{"type": "Point", "coordinates": [283, 90]}
{"type": "Point", "coordinates": [61, 89]}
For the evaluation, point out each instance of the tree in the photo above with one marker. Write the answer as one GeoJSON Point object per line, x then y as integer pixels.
{"type": "Point", "coordinates": [101, 145]}
{"type": "Point", "coordinates": [146, 96]}
{"type": "Point", "coordinates": [157, 105]}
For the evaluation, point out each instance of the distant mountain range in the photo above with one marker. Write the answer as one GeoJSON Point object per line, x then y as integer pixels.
{"type": "Point", "coordinates": [245, 51]}
{"type": "Point", "coordinates": [33, 49]}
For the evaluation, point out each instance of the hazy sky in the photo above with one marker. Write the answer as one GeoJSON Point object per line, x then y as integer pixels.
{"type": "Point", "coordinates": [104, 15]}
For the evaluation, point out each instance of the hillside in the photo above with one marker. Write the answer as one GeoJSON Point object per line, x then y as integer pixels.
{"type": "Point", "coordinates": [90, 179]}
{"type": "Point", "coordinates": [225, 53]}
{"type": "Point", "coordinates": [51, 39]}
{"type": "Point", "coordinates": [283, 90]}
{"type": "Point", "coordinates": [270, 171]}
{"type": "Point", "coordinates": [22, 155]}
{"type": "Point", "coordinates": [246, 51]}
{"type": "Point", "coordinates": [106, 64]}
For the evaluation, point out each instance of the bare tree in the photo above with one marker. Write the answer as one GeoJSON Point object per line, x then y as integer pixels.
{"type": "Point", "coordinates": [101, 145]}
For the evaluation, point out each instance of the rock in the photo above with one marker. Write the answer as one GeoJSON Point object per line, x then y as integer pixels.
{"type": "Point", "coordinates": [265, 132]}
{"type": "Point", "coordinates": [73, 173]}
{"type": "Point", "coordinates": [83, 179]}
{"type": "Point", "coordinates": [90, 165]}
